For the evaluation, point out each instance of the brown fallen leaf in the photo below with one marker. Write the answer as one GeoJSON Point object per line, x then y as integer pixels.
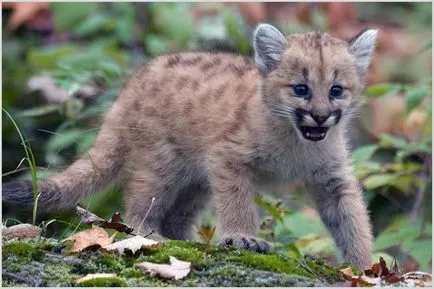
{"type": "Point", "coordinates": [21, 231]}
{"type": "Point", "coordinates": [364, 281]}
{"type": "Point", "coordinates": [115, 222]}
{"type": "Point", "coordinates": [94, 237]}
{"type": "Point", "coordinates": [95, 276]}
{"type": "Point", "coordinates": [347, 272]}
{"type": "Point", "coordinates": [384, 269]}
{"type": "Point", "coordinates": [177, 269]}
{"type": "Point", "coordinates": [133, 244]}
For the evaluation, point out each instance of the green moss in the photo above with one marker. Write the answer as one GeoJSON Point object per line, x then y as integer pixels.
{"type": "Point", "coordinates": [128, 273]}
{"type": "Point", "coordinates": [58, 275]}
{"type": "Point", "coordinates": [212, 266]}
{"type": "Point", "coordinates": [104, 282]}
{"type": "Point", "coordinates": [323, 271]}
{"type": "Point", "coordinates": [271, 262]}
{"type": "Point", "coordinates": [24, 251]}
{"type": "Point", "coordinates": [185, 251]}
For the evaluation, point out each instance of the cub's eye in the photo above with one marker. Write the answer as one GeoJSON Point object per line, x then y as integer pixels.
{"type": "Point", "coordinates": [301, 90]}
{"type": "Point", "coordinates": [336, 91]}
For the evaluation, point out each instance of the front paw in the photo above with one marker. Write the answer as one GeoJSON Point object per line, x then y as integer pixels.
{"type": "Point", "coordinates": [246, 242]}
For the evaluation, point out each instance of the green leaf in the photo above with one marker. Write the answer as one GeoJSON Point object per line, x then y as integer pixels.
{"type": "Point", "coordinates": [179, 29]}
{"type": "Point", "coordinates": [236, 30]}
{"type": "Point", "coordinates": [67, 15]}
{"type": "Point", "coordinates": [376, 257]}
{"type": "Point", "coordinates": [64, 140]}
{"type": "Point", "coordinates": [389, 141]}
{"type": "Point", "coordinates": [269, 208]}
{"type": "Point", "coordinates": [39, 111]}
{"type": "Point", "coordinates": [379, 180]}
{"type": "Point", "coordinates": [364, 153]}
{"type": "Point", "coordinates": [87, 141]}
{"type": "Point", "coordinates": [421, 250]}
{"type": "Point", "coordinates": [156, 44]}
{"type": "Point", "coordinates": [293, 251]}
{"type": "Point", "coordinates": [427, 45]}
{"type": "Point", "coordinates": [48, 57]}
{"type": "Point", "coordinates": [91, 24]}
{"type": "Point", "coordinates": [414, 97]}
{"type": "Point", "coordinates": [367, 167]}
{"type": "Point", "coordinates": [382, 90]}
{"type": "Point", "coordinates": [389, 239]}
{"type": "Point", "coordinates": [404, 183]}
{"type": "Point", "coordinates": [301, 225]}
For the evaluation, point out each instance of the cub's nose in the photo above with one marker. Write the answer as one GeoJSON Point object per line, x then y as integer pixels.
{"type": "Point", "coordinates": [320, 119]}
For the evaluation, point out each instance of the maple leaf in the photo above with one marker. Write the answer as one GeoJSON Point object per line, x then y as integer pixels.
{"type": "Point", "coordinates": [94, 237]}
{"type": "Point", "coordinates": [177, 269]}
{"type": "Point", "coordinates": [132, 244]}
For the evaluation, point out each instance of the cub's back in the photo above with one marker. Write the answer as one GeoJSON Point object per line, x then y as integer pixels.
{"type": "Point", "coordinates": [190, 96]}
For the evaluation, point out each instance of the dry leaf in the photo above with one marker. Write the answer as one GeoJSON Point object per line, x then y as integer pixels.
{"type": "Point", "coordinates": [206, 232]}
{"type": "Point", "coordinates": [94, 237]}
{"type": "Point", "coordinates": [95, 276]}
{"type": "Point", "coordinates": [21, 231]}
{"type": "Point", "coordinates": [115, 222]}
{"type": "Point", "coordinates": [417, 278]}
{"type": "Point", "coordinates": [347, 272]}
{"type": "Point", "coordinates": [133, 244]}
{"type": "Point", "coordinates": [364, 281]}
{"type": "Point", "coordinates": [177, 269]}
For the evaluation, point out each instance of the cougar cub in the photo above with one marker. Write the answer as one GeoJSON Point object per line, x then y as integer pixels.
{"type": "Point", "coordinates": [193, 126]}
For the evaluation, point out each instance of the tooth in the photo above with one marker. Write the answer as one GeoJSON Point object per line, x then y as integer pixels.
{"type": "Point", "coordinates": [308, 134]}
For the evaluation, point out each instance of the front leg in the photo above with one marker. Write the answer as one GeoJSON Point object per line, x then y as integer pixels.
{"type": "Point", "coordinates": [235, 207]}
{"type": "Point", "coordinates": [340, 204]}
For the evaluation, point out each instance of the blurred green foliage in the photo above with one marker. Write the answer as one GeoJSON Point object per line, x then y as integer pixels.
{"type": "Point", "coordinates": [104, 43]}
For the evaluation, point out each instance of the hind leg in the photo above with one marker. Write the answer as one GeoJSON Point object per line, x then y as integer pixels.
{"type": "Point", "coordinates": [153, 180]}
{"type": "Point", "coordinates": [180, 218]}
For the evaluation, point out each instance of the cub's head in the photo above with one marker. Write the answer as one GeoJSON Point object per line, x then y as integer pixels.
{"type": "Point", "coordinates": [312, 79]}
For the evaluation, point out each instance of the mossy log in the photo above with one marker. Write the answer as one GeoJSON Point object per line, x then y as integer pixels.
{"type": "Point", "coordinates": [46, 262]}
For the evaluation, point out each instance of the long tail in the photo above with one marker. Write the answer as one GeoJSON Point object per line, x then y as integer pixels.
{"type": "Point", "coordinates": [93, 171]}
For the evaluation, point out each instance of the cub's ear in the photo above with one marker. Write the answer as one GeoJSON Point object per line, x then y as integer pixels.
{"type": "Point", "coordinates": [362, 46]}
{"type": "Point", "coordinates": [269, 44]}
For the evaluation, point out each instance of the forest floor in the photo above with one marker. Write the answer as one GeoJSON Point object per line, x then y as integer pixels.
{"type": "Point", "coordinates": [48, 262]}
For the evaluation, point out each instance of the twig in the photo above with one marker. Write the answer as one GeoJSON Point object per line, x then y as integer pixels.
{"type": "Point", "coordinates": [144, 218]}
{"type": "Point", "coordinates": [421, 191]}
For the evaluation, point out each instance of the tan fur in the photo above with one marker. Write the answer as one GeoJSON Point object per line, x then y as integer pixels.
{"type": "Point", "coordinates": [196, 125]}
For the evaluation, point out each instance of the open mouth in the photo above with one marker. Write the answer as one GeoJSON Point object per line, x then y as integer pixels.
{"type": "Point", "coordinates": [314, 133]}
